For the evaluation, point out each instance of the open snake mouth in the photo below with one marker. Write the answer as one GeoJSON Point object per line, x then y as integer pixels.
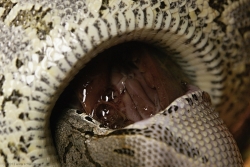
{"type": "Point", "coordinates": [129, 99]}
{"type": "Point", "coordinates": [125, 84]}
{"type": "Point", "coordinates": [45, 43]}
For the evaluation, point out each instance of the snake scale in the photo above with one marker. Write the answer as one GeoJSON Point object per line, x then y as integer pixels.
{"type": "Point", "coordinates": [44, 43]}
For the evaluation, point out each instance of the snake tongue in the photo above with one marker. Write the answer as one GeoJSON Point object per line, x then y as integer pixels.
{"type": "Point", "coordinates": [126, 84]}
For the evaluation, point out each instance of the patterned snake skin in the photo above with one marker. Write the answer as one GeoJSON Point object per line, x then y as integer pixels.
{"type": "Point", "coordinates": [44, 43]}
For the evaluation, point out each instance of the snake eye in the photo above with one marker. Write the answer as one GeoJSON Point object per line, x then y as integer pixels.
{"type": "Point", "coordinates": [124, 84]}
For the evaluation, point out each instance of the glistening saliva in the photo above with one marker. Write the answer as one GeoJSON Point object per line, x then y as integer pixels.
{"type": "Point", "coordinates": [125, 84]}
{"type": "Point", "coordinates": [45, 43]}
{"type": "Point", "coordinates": [125, 92]}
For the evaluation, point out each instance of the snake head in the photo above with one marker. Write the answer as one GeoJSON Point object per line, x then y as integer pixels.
{"type": "Point", "coordinates": [45, 43]}
{"type": "Point", "coordinates": [131, 103]}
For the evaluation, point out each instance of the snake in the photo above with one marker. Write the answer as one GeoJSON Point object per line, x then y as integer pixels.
{"type": "Point", "coordinates": [45, 43]}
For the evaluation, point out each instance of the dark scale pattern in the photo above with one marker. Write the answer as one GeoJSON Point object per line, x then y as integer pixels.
{"type": "Point", "coordinates": [40, 74]}
{"type": "Point", "coordinates": [5, 157]}
{"type": "Point", "coordinates": [8, 5]}
{"type": "Point", "coordinates": [15, 98]}
{"type": "Point", "coordinates": [163, 5]}
{"type": "Point", "coordinates": [190, 102]}
{"type": "Point", "coordinates": [125, 151]}
{"type": "Point", "coordinates": [2, 79]}
{"type": "Point", "coordinates": [219, 5]}
{"type": "Point", "coordinates": [171, 110]}
{"type": "Point", "coordinates": [25, 17]}
{"type": "Point", "coordinates": [24, 116]}
{"type": "Point", "coordinates": [19, 63]}
{"type": "Point", "coordinates": [14, 150]}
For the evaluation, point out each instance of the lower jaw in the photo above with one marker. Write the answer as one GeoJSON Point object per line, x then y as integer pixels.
{"type": "Point", "coordinates": [188, 120]}
{"type": "Point", "coordinates": [188, 128]}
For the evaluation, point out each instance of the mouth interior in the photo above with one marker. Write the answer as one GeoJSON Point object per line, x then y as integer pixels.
{"type": "Point", "coordinates": [125, 84]}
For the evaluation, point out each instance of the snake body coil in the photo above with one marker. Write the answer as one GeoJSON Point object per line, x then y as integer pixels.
{"type": "Point", "coordinates": [44, 43]}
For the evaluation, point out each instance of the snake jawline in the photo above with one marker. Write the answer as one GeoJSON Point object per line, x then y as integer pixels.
{"type": "Point", "coordinates": [41, 56]}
